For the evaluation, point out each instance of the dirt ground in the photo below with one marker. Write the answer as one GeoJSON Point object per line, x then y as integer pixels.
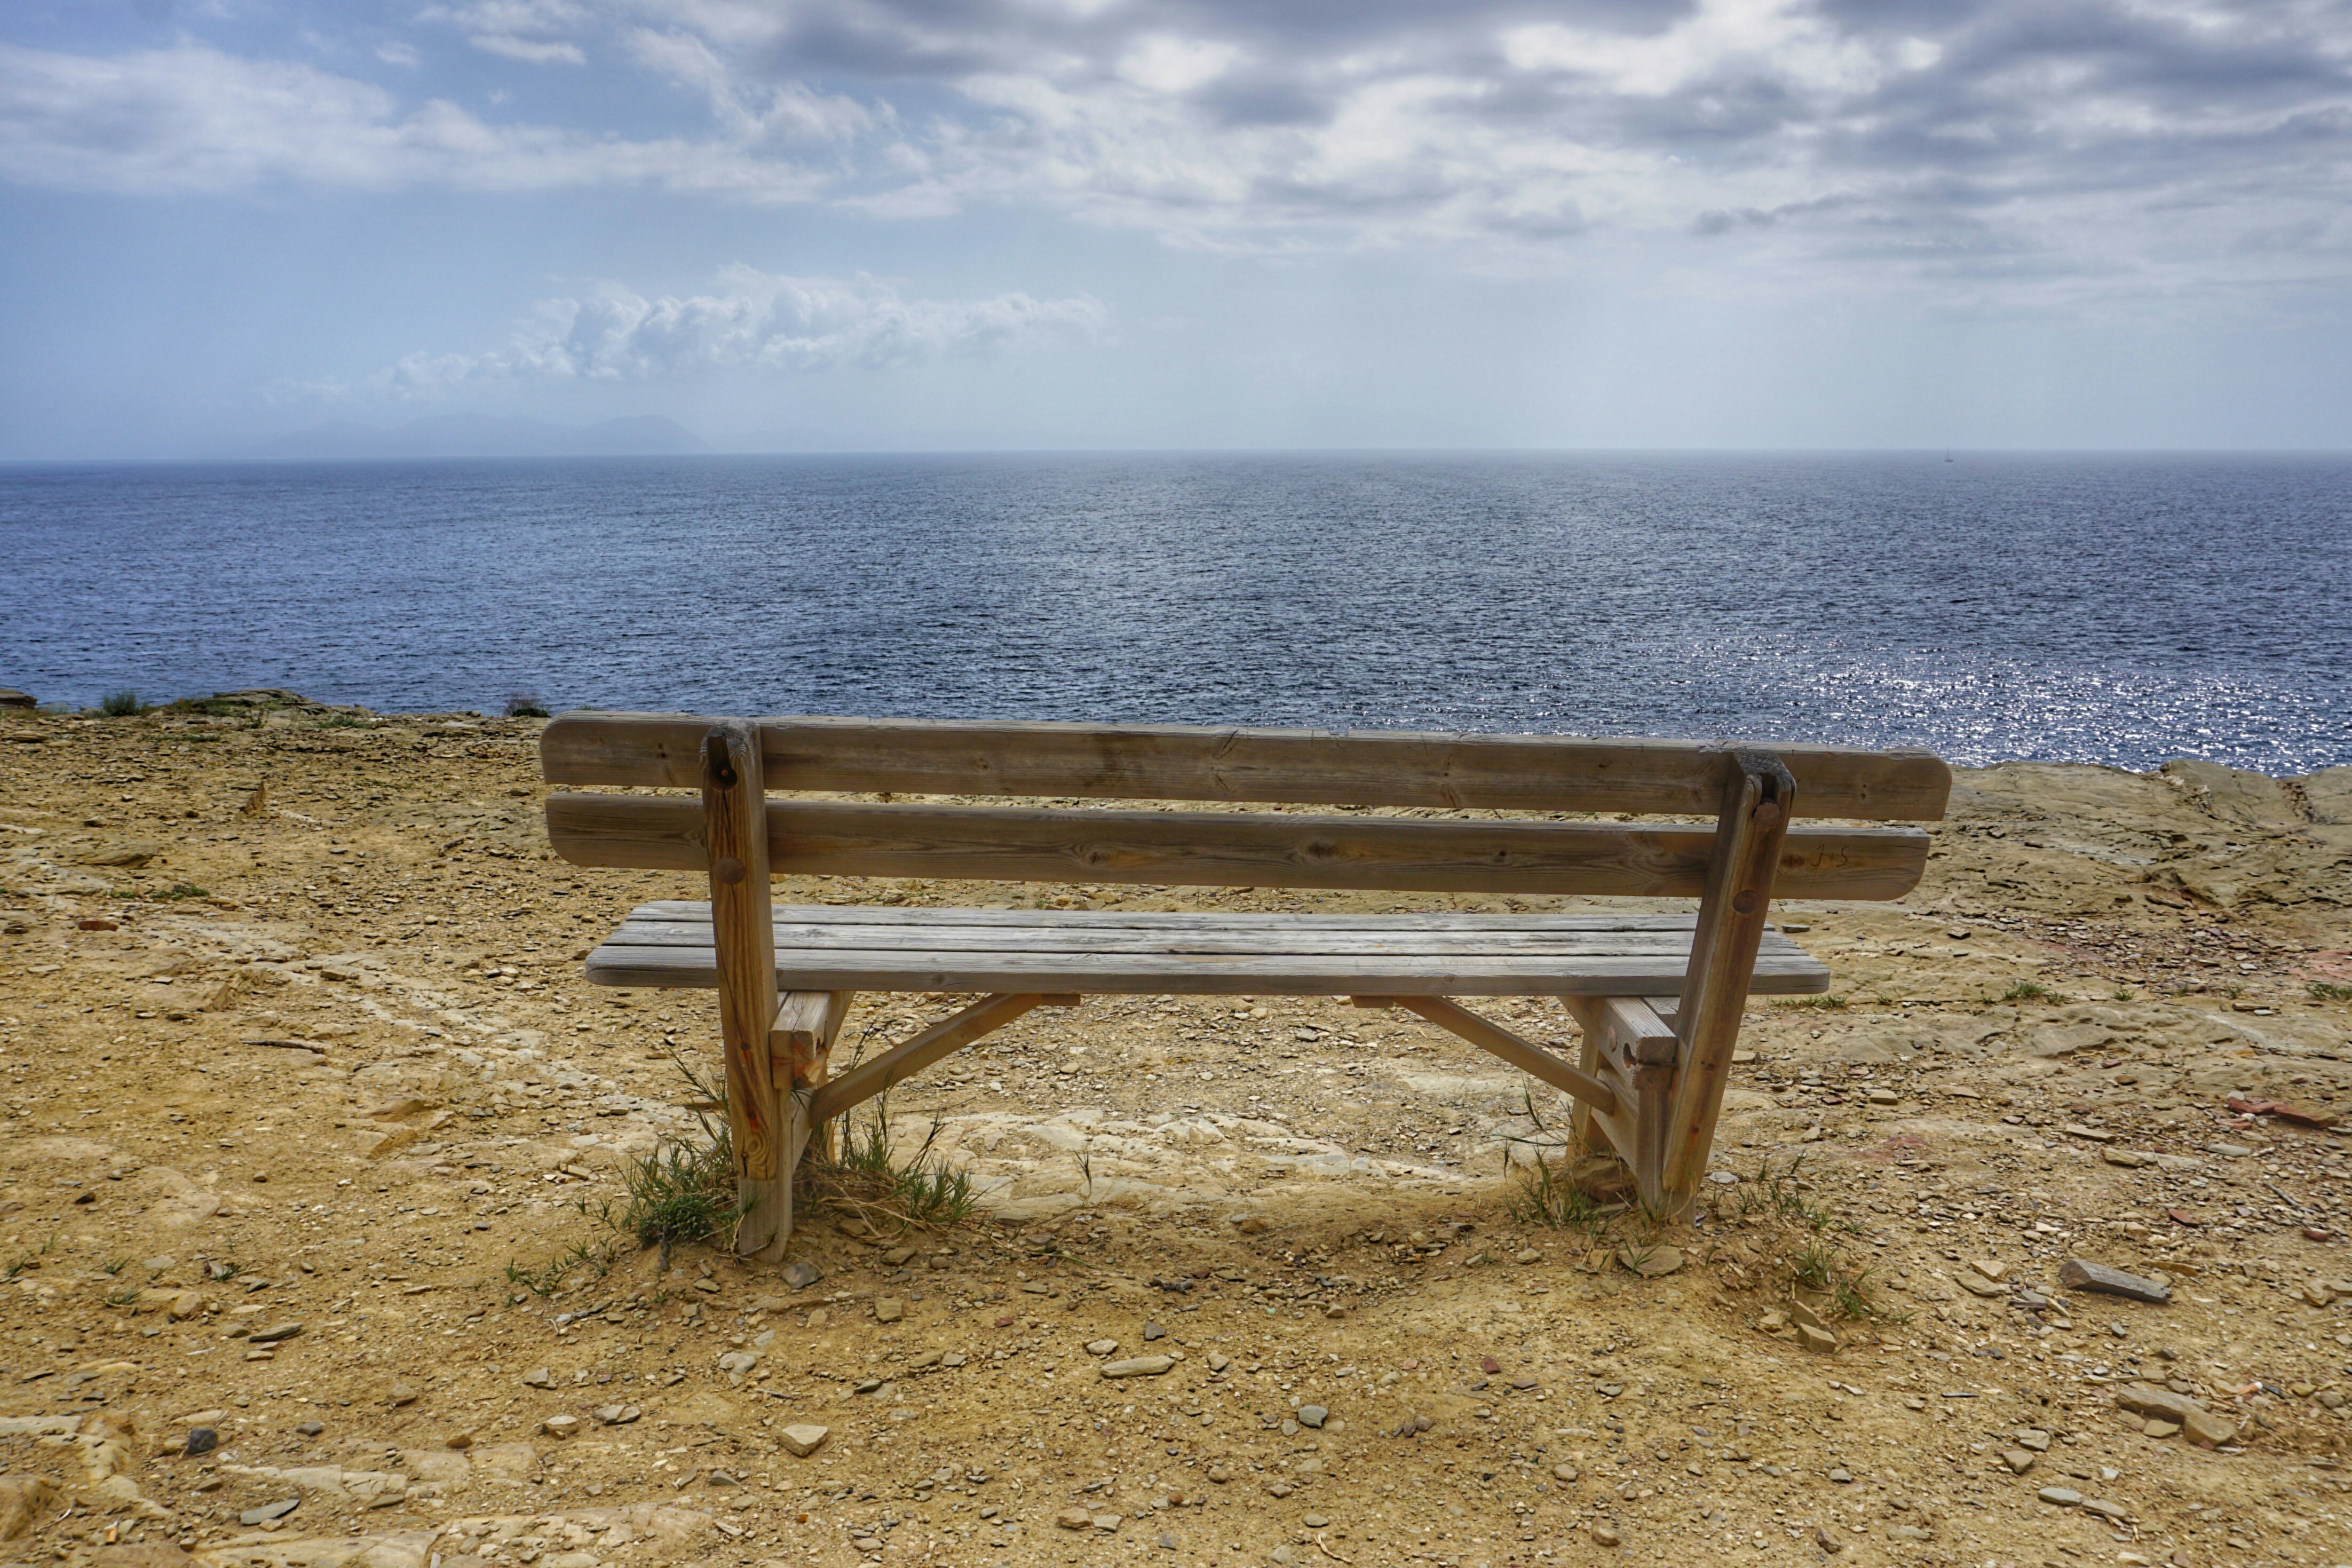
{"type": "Point", "coordinates": [307, 1103]}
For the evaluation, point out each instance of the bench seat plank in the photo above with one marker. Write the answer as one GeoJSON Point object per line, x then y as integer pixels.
{"type": "Point", "coordinates": [828, 948]}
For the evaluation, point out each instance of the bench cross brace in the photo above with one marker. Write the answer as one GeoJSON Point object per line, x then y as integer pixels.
{"type": "Point", "coordinates": [901, 1061]}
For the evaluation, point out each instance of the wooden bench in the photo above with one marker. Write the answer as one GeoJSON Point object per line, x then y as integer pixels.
{"type": "Point", "coordinates": [1658, 996]}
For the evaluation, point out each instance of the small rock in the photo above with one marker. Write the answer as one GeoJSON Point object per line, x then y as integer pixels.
{"type": "Point", "coordinates": [722, 1478]}
{"type": "Point", "coordinates": [1316, 1521]}
{"type": "Point", "coordinates": [801, 1276]}
{"type": "Point", "coordinates": [1105, 1521]}
{"type": "Point", "coordinates": [1563, 1472]}
{"type": "Point", "coordinates": [310, 1428]}
{"type": "Point", "coordinates": [2018, 1460]}
{"type": "Point", "coordinates": [1074, 1518]}
{"type": "Point", "coordinates": [2076, 1274]}
{"type": "Point", "coordinates": [1990, 1268]}
{"type": "Point", "coordinates": [400, 1394]}
{"type": "Point", "coordinates": [1219, 1474]}
{"type": "Point", "coordinates": [2317, 1293]}
{"type": "Point", "coordinates": [1139, 1366]}
{"type": "Point", "coordinates": [1843, 1476]}
{"type": "Point", "coordinates": [1821, 1342]}
{"type": "Point", "coordinates": [460, 1441]}
{"type": "Point", "coordinates": [890, 1309]}
{"type": "Point", "coordinates": [1101, 1347]}
{"type": "Point", "coordinates": [2157, 1427]}
{"type": "Point", "coordinates": [1153, 1331]}
{"type": "Point", "coordinates": [269, 1510]}
{"type": "Point", "coordinates": [1826, 1542]}
{"type": "Point", "coordinates": [560, 1426]}
{"type": "Point", "coordinates": [618, 1414]}
{"type": "Point", "coordinates": [203, 1440]}
{"type": "Point", "coordinates": [539, 1377]}
{"type": "Point", "coordinates": [1313, 1416]}
{"type": "Point", "coordinates": [1650, 1262]}
{"type": "Point", "coordinates": [2204, 1427]}
{"type": "Point", "coordinates": [1977, 1285]}
{"type": "Point", "coordinates": [801, 1439]}
{"type": "Point", "coordinates": [2060, 1497]}
{"type": "Point", "coordinates": [2127, 1158]}
{"type": "Point", "coordinates": [1605, 1534]}
{"type": "Point", "coordinates": [897, 1255]}
{"type": "Point", "coordinates": [2033, 1439]}
{"type": "Point", "coordinates": [2113, 1514]}
{"type": "Point", "coordinates": [1528, 1255]}
{"type": "Point", "coordinates": [275, 1332]}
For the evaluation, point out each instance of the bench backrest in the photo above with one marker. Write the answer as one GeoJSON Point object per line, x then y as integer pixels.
{"type": "Point", "coordinates": [1449, 773]}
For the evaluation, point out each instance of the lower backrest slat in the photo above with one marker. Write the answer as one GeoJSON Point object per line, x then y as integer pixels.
{"type": "Point", "coordinates": [1234, 849]}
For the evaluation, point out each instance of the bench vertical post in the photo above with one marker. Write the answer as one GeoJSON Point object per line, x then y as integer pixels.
{"type": "Point", "coordinates": [735, 837]}
{"type": "Point", "coordinates": [801, 1054]}
{"type": "Point", "coordinates": [1759, 797]}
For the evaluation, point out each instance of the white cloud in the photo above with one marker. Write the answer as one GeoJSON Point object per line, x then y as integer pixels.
{"type": "Point", "coordinates": [530, 51]}
{"type": "Point", "coordinates": [194, 118]}
{"type": "Point", "coordinates": [2014, 140]}
{"type": "Point", "coordinates": [752, 319]}
{"type": "Point", "coordinates": [517, 29]}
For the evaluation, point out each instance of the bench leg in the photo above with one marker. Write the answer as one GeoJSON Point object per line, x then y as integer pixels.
{"type": "Point", "coordinates": [799, 1048]}
{"type": "Point", "coordinates": [1634, 1050]}
{"type": "Point", "coordinates": [1759, 799]}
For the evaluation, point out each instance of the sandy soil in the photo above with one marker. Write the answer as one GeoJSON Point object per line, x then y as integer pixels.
{"type": "Point", "coordinates": [322, 1056]}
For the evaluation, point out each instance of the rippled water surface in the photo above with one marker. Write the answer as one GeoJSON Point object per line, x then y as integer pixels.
{"type": "Point", "coordinates": [2117, 609]}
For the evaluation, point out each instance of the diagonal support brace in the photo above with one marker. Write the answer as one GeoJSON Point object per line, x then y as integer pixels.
{"type": "Point", "coordinates": [902, 1061]}
{"type": "Point", "coordinates": [1525, 1055]}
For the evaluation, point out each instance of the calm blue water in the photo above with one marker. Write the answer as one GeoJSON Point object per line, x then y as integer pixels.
{"type": "Point", "coordinates": [2118, 609]}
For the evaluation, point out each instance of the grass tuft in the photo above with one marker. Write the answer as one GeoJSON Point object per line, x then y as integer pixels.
{"type": "Point", "coordinates": [1822, 1003]}
{"type": "Point", "coordinates": [686, 1192]}
{"type": "Point", "coordinates": [122, 705]}
{"type": "Point", "coordinates": [593, 1259]}
{"type": "Point", "coordinates": [2326, 991]}
{"type": "Point", "coordinates": [866, 1178]}
{"type": "Point", "coordinates": [2029, 991]}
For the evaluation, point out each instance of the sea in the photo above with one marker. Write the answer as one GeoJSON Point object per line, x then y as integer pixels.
{"type": "Point", "coordinates": [2121, 609]}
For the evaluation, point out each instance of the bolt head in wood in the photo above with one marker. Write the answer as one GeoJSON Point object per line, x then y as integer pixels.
{"type": "Point", "coordinates": [1745, 900]}
{"type": "Point", "coordinates": [729, 870]}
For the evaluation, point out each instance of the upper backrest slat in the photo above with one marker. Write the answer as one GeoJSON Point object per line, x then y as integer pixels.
{"type": "Point", "coordinates": [1166, 762]}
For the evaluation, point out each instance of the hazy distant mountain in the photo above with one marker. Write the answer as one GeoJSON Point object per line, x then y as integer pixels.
{"type": "Point", "coordinates": [487, 436]}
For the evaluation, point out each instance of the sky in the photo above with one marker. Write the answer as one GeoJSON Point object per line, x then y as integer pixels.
{"type": "Point", "coordinates": [867, 224]}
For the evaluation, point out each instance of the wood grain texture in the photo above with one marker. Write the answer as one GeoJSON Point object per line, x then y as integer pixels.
{"type": "Point", "coordinates": [744, 964]}
{"type": "Point", "coordinates": [1505, 773]}
{"type": "Point", "coordinates": [1730, 934]}
{"type": "Point", "coordinates": [1605, 918]}
{"type": "Point", "coordinates": [806, 1022]}
{"type": "Point", "coordinates": [1196, 848]}
{"type": "Point", "coordinates": [1637, 1050]}
{"type": "Point", "coordinates": [1526, 1055]}
{"type": "Point", "coordinates": [1195, 974]}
